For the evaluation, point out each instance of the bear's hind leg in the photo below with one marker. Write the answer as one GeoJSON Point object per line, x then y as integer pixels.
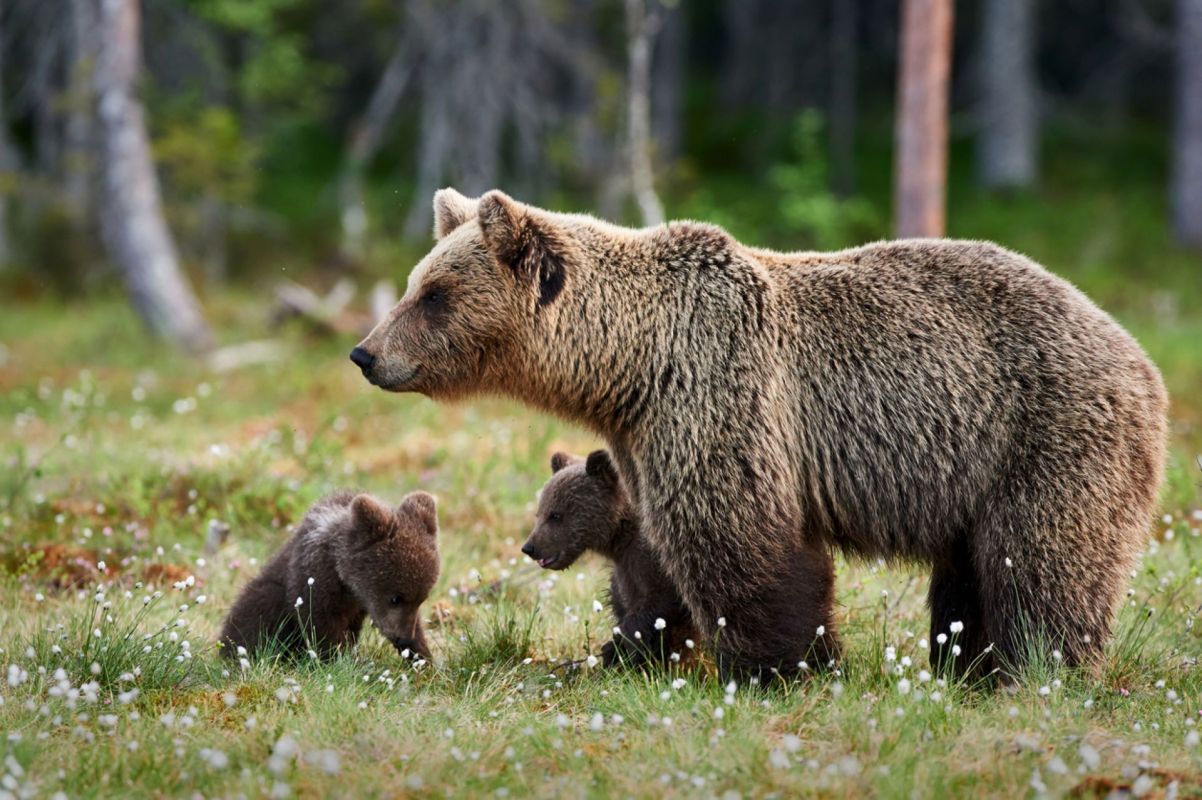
{"type": "Point", "coordinates": [956, 614]}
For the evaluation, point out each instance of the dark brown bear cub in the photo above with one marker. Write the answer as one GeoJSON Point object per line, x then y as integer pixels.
{"type": "Point", "coordinates": [583, 507]}
{"type": "Point", "coordinates": [351, 557]}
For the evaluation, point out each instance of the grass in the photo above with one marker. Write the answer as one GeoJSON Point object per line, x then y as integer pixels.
{"type": "Point", "coordinates": [115, 451]}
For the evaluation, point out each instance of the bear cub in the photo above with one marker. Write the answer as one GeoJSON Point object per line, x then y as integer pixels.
{"type": "Point", "coordinates": [584, 507]}
{"type": "Point", "coordinates": [351, 556]}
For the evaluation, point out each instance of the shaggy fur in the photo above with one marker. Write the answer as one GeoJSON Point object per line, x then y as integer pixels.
{"type": "Point", "coordinates": [946, 402]}
{"type": "Point", "coordinates": [584, 507]}
{"type": "Point", "coordinates": [365, 558]}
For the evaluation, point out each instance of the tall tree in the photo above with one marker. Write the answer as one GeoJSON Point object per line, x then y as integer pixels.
{"type": "Point", "coordinates": [8, 159]}
{"type": "Point", "coordinates": [135, 233]}
{"type": "Point", "coordinates": [920, 151]}
{"type": "Point", "coordinates": [366, 136]}
{"type": "Point", "coordinates": [1187, 146]}
{"type": "Point", "coordinates": [844, 55]}
{"type": "Point", "coordinates": [642, 24]}
{"type": "Point", "coordinates": [1007, 142]}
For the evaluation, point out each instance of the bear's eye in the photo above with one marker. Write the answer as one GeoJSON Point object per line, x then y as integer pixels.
{"type": "Point", "coordinates": [396, 600]}
{"type": "Point", "coordinates": [555, 516]}
{"type": "Point", "coordinates": [433, 298]}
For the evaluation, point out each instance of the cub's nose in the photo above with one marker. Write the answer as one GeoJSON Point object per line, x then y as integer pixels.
{"type": "Point", "coordinates": [530, 550]}
{"type": "Point", "coordinates": [363, 359]}
{"type": "Point", "coordinates": [402, 644]}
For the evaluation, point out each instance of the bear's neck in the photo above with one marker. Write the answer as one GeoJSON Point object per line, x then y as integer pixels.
{"type": "Point", "coordinates": [624, 533]}
{"type": "Point", "coordinates": [590, 358]}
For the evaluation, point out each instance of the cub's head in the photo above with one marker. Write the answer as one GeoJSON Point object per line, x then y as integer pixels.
{"type": "Point", "coordinates": [389, 559]}
{"type": "Point", "coordinates": [472, 300]}
{"type": "Point", "coordinates": [579, 508]}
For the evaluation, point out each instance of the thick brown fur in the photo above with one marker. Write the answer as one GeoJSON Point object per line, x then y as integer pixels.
{"type": "Point", "coordinates": [366, 560]}
{"type": "Point", "coordinates": [584, 507]}
{"type": "Point", "coordinates": [946, 402]}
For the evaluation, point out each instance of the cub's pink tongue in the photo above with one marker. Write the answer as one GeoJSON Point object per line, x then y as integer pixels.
{"type": "Point", "coordinates": [545, 562]}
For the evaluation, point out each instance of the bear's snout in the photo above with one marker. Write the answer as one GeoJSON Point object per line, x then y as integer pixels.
{"type": "Point", "coordinates": [362, 359]}
{"type": "Point", "coordinates": [530, 550]}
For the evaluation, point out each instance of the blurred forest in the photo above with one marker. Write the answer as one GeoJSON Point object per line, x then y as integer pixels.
{"type": "Point", "coordinates": [189, 144]}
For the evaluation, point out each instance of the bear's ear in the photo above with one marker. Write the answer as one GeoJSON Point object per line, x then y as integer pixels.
{"type": "Point", "coordinates": [372, 519]}
{"type": "Point", "coordinates": [451, 210]}
{"type": "Point", "coordinates": [600, 465]}
{"type": "Point", "coordinates": [559, 461]}
{"type": "Point", "coordinates": [526, 245]}
{"type": "Point", "coordinates": [423, 507]}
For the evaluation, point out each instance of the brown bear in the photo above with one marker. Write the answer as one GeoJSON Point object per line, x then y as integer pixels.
{"type": "Point", "coordinates": [584, 507]}
{"type": "Point", "coordinates": [945, 402]}
{"type": "Point", "coordinates": [351, 556]}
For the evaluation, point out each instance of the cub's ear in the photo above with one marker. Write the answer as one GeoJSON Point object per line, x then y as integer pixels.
{"type": "Point", "coordinates": [527, 245]}
{"type": "Point", "coordinates": [451, 210]}
{"type": "Point", "coordinates": [372, 519]}
{"type": "Point", "coordinates": [559, 461]}
{"type": "Point", "coordinates": [421, 506]}
{"type": "Point", "coordinates": [600, 465]}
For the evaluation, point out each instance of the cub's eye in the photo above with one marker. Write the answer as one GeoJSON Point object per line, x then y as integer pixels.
{"type": "Point", "coordinates": [555, 516]}
{"type": "Point", "coordinates": [396, 600]}
{"type": "Point", "coordinates": [433, 297]}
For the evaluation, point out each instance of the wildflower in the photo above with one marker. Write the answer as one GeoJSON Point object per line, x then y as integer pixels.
{"type": "Point", "coordinates": [941, 638]}
{"type": "Point", "coordinates": [311, 581]}
{"type": "Point", "coordinates": [1191, 739]}
{"type": "Point", "coordinates": [956, 627]}
{"type": "Point", "coordinates": [300, 601]}
{"type": "Point", "coordinates": [1044, 691]}
{"type": "Point", "coordinates": [689, 643]}
{"type": "Point", "coordinates": [821, 630]}
{"type": "Point", "coordinates": [679, 684]}
{"type": "Point", "coordinates": [955, 650]}
{"type": "Point", "coordinates": [591, 661]}
{"type": "Point", "coordinates": [1009, 563]}
{"type": "Point", "coordinates": [660, 624]}
{"type": "Point", "coordinates": [721, 622]}
{"type": "Point", "coordinates": [597, 722]}
{"type": "Point", "coordinates": [1090, 757]}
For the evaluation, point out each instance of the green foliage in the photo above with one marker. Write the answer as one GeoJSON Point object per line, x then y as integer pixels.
{"type": "Point", "coordinates": [807, 206]}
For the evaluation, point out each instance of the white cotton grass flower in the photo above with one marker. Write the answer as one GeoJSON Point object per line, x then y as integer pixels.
{"type": "Point", "coordinates": [821, 630]}
{"type": "Point", "coordinates": [956, 627]}
{"type": "Point", "coordinates": [941, 638]}
{"type": "Point", "coordinates": [721, 622]}
{"type": "Point", "coordinates": [660, 624]}
{"type": "Point", "coordinates": [300, 601]}
{"type": "Point", "coordinates": [311, 581]}
{"type": "Point", "coordinates": [591, 661]}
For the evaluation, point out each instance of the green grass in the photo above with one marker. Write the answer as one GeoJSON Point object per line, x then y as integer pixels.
{"type": "Point", "coordinates": [114, 450]}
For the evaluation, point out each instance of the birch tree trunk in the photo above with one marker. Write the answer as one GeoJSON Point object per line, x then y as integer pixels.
{"type": "Point", "coordinates": [920, 152]}
{"type": "Point", "coordinates": [1187, 146]}
{"type": "Point", "coordinates": [641, 27]}
{"type": "Point", "coordinates": [364, 143]}
{"type": "Point", "coordinates": [1007, 143]}
{"type": "Point", "coordinates": [78, 144]}
{"type": "Point", "coordinates": [131, 213]}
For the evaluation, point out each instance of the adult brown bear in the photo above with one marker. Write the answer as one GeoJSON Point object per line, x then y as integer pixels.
{"type": "Point", "coordinates": [947, 402]}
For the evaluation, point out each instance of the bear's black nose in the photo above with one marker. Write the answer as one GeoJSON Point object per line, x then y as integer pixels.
{"type": "Point", "coordinates": [530, 550]}
{"type": "Point", "coordinates": [401, 644]}
{"type": "Point", "coordinates": [363, 359]}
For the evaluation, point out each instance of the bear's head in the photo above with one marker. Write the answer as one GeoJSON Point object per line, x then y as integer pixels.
{"type": "Point", "coordinates": [389, 560]}
{"type": "Point", "coordinates": [580, 508]}
{"type": "Point", "coordinates": [472, 300]}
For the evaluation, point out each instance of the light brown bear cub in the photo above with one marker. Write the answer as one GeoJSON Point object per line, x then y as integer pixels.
{"type": "Point", "coordinates": [351, 557]}
{"type": "Point", "coordinates": [584, 507]}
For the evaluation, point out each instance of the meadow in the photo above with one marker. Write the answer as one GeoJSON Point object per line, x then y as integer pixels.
{"type": "Point", "coordinates": [122, 466]}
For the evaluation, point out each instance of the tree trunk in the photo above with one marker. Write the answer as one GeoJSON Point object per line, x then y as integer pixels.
{"type": "Point", "coordinates": [1007, 143]}
{"type": "Point", "coordinates": [843, 65]}
{"type": "Point", "coordinates": [8, 162]}
{"type": "Point", "coordinates": [1187, 147]}
{"type": "Point", "coordinates": [135, 233]}
{"type": "Point", "coordinates": [920, 153]}
{"type": "Point", "coordinates": [667, 89]}
{"type": "Point", "coordinates": [641, 27]}
{"type": "Point", "coordinates": [78, 145]}
{"type": "Point", "coordinates": [362, 147]}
